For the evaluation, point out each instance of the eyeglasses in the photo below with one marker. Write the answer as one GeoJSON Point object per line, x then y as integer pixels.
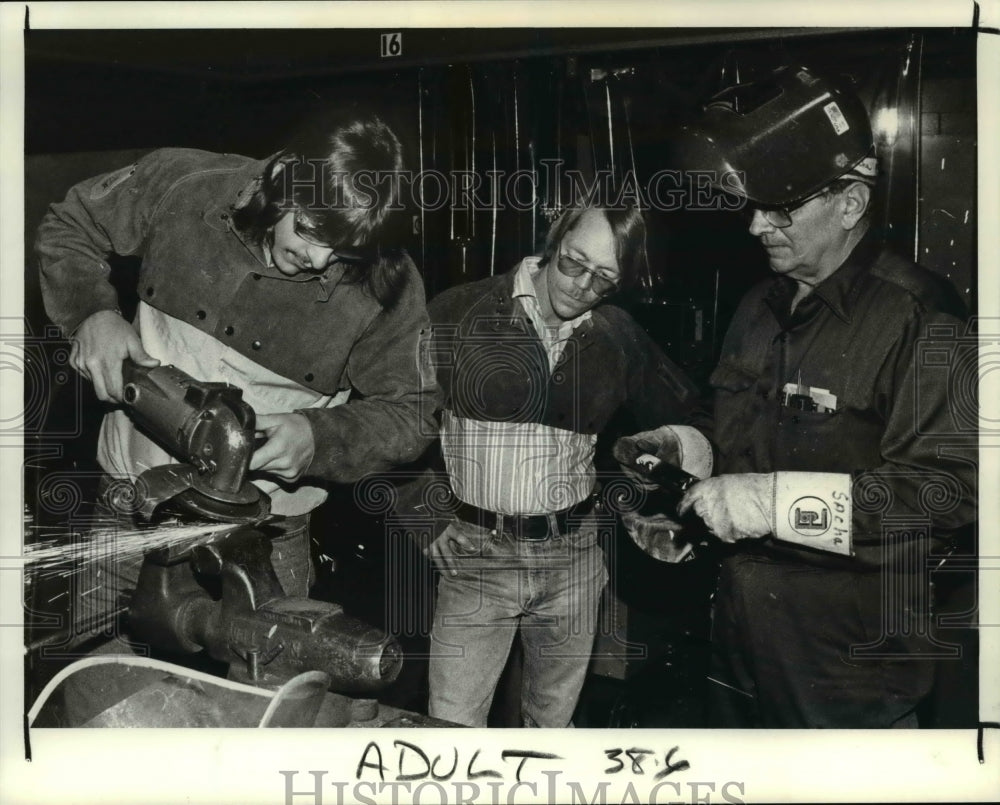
{"type": "Point", "coordinates": [781, 217]}
{"type": "Point", "coordinates": [600, 284]}
{"type": "Point", "coordinates": [339, 255]}
{"type": "Point", "coordinates": [349, 260]}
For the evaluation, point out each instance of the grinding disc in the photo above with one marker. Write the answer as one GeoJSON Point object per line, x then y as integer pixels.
{"type": "Point", "coordinates": [255, 506]}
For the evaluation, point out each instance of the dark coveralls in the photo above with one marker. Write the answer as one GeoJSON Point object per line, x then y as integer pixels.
{"type": "Point", "coordinates": [813, 639]}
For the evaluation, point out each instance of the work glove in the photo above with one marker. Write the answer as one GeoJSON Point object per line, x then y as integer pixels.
{"type": "Point", "coordinates": [813, 509]}
{"type": "Point", "coordinates": [733, 507]}
{"type": "Point", "coordinates": [658, 536]}
{"type": "Point", "coordinates": [661, 444]}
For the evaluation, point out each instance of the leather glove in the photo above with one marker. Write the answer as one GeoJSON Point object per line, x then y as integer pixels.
{"type": "Point", "coordinates": [733, 507]}
{"type": "Point", "coordinates": [658, 536]}
{"type": "Point", "coordinates": [661, 443]}
{"type": "Point", "coordinates": [813, 509]}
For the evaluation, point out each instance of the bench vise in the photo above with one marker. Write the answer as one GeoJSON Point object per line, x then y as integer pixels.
{"type": "Point", "coordinates": [225, 598]}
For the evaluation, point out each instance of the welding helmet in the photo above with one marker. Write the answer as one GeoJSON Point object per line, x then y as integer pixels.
{"type": "Point", "coordinates": [778, 141]}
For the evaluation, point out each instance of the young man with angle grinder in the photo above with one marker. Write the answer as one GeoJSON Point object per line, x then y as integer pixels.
{"type": "Point", "coordinates": [281, 277]}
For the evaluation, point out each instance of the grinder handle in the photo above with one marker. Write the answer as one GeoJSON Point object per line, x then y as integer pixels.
{"type": "Point", "coordinates": [132, 376]}
{"type": "Point", "coordinates": [100, 343]}
{"type": "Point", "coordinates": [207, 424]}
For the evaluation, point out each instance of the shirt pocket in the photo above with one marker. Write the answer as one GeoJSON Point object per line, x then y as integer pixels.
{"type": "Point", "coordinates": [810, 441]}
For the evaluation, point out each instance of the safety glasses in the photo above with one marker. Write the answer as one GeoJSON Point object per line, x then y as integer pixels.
{"type": "Point", "coordinates": [780, 217]}
{"type": "Point", "coordinates": [600, 284]}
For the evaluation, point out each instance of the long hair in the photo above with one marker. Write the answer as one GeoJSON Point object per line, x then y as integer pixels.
{"type": "Point", "coordinates": [628, 227]}
{"type": "Point", "coordinates": [340, 180]}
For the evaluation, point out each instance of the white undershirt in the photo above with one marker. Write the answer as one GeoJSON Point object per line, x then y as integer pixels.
{"type": "Point", "coordinates": [123, 450]}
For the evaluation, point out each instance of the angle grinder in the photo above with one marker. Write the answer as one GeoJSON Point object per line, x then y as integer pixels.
{"type": "Point", "coordinates": [211, 429]}
{"type": "Point", "coordinates": [266, 636]}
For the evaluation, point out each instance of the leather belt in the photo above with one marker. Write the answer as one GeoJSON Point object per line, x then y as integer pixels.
{"type": "Point", "coordinates": [527, 527]}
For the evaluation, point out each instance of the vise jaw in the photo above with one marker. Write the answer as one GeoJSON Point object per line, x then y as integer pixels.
{"type": "Point", "coordinates": [248, 622]}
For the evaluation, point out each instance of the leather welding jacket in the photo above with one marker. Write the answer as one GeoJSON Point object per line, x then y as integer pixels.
{"type": "Point", "coordinates": [608, 363]}
{"type": "Point", "coordinates": [887, 338]}
{"type": "Point", "coordinates": [172, 208]}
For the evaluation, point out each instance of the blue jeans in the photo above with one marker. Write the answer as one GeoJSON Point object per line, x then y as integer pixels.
{"type": "Point", "coordinates": [549, 590]}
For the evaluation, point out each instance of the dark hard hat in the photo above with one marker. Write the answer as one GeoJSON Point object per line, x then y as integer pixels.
{"type": "Point", "coordinates": [778, 141]}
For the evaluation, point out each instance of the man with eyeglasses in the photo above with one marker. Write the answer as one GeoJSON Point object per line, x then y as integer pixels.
{"type": "Point", "coordinates": [533, 364]}
{"type": "Point", "coordinates": [832, 486]}
{"type": "Point", "coordinates": [282, 277]}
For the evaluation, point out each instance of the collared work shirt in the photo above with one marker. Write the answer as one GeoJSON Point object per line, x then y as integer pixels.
{"type": "Point", "coordinates": [860, 342]}
{"type": "Point", "coordinates": [554, 338]}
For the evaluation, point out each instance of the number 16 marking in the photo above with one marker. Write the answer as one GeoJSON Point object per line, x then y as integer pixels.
{"type": "Point", "coordinates": [392, 44]}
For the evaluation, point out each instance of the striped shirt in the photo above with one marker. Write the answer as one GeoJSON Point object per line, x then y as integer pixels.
{"type": "Point", "coordinates": [521, 467]}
